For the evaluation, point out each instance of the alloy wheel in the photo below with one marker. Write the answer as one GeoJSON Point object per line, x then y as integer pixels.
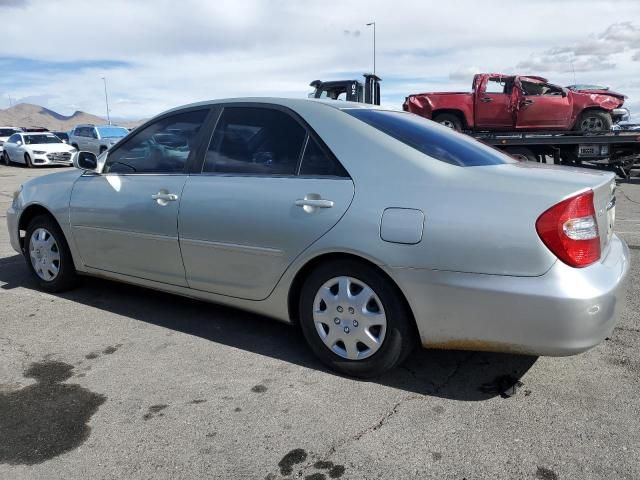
{"type": "Point", "coordinates": [44, 254]}
{"type": "Point", "coordinates": [349, 318]}
{"type": "Point", "coordinates": [592, 124]}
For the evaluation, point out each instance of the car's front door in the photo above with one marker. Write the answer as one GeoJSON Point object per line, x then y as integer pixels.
{"type": "Point", "coordinates": [493, 103]}
{"type": "Point", "coordinates": [268, 189]}
{"type": "Point", "coordinates": [542, 106]}
{"type": "Point", "coordinates": [124, 220]}
{"type": "Point", "coordinates": [11, 145]}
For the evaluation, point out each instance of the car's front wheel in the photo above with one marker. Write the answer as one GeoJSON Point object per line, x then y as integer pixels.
{"type": "Point", "coordinates": [48, 256]}
{"type": "Point", "coordinates": [27, 160]}
{"type": "Point", "coordinates": [594, 121]}
{"type": "Point", "coordinates": [5, 159]}
{"type": "Point", "coordinates": [354, 319]}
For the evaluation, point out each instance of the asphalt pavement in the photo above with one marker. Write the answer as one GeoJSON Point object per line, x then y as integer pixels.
{"type": "Point", "coordinates": [111, 381]}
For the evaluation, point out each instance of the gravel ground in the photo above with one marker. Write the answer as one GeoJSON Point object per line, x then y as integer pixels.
{"type": "Point", "coordinates": [113, 381]}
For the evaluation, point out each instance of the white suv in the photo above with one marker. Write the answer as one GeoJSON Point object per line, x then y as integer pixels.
{"type": "Point", "coordinates": [5, 133]}
{"type": "Point", "coordinates": [95, 138]}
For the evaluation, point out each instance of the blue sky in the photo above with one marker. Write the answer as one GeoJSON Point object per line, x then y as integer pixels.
{"type": "Point", "coordinates": [179, 52]}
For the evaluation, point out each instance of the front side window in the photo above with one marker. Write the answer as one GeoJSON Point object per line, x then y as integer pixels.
{"type": "Point", "coordinates": [429, 138]}
{"type": "Point", "coordinates": [162, 147]}
{"type": "Point", "coordinates": [14, 138]}
{"type": "Point", "coordinates": [255, 141]}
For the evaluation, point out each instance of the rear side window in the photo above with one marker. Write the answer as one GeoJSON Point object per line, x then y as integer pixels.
{"type": "Point", "coordinates": [318, 162]}
{"type": "Point", "coordinates": [432, 139]}
{"type": "Point", "coordinates": [255, 141]}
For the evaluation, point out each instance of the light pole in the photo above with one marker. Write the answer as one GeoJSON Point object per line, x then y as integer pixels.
{"type": "Point", "coordinates": [106, 99]}
{"type": "Point", "coordinates": [374, 45]}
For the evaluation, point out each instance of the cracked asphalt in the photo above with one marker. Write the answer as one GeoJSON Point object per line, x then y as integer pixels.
{"type": "Point", "coordinates": [112, 381]}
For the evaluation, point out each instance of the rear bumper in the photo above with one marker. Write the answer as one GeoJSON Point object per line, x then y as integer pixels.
{"type": "Point", "coordinates": [563, 312]}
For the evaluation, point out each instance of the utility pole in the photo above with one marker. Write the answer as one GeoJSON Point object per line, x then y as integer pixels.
{"type": "Point", "coordinates": [374, 45]}
{"type": "Point", "coordinates": [106, 99]}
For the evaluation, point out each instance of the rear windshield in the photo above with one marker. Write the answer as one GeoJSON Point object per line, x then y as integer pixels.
{"type": "Point", "coordinates": [432, 139]}
{"type": "Point", "coordinates": [112, 132]}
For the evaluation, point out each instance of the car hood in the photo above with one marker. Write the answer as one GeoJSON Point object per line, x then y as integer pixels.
{"type": "Point", "coordinates": [601, 91]}
{"type": "Point", "coordinates": [50, 147]}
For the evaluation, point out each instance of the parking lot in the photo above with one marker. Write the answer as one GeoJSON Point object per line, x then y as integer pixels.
{"type": "Point", "coordinates": [114, 381]}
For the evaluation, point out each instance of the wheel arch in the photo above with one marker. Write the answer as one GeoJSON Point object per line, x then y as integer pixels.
{"type": "Point", "coordinates": [303, 272]}
{"type": "Point", "coordinates": [28, 214]}
{"type": "Point", "coordinates": [589, 109]}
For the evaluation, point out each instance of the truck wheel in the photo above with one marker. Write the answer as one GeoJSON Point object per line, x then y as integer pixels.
{"type": "Point", "coordinates": [449, 120]}
{"type": "Point", "coordinates": [594, 121]}
{"type": "Point", "coordinates": [521, 153]}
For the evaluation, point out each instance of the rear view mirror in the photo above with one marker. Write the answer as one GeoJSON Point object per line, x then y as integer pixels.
{"type": "Point", "coordinates": [86, 161]}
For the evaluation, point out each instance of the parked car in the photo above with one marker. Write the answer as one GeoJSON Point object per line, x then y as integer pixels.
{"type": "Point", "coordinates": [64, 136]}
{"type": "Point", "coordinates": [96, 138]}
{"type": "Point", "coordinates": [374, 230]}
{"type": "Point", "coordinates": [5, 133]}
{"type": "Point", "coordinates": [508, 102]}
{"type": "Point", "coordinates": [37, 149]}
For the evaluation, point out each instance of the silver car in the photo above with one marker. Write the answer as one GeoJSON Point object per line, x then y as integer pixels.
{"type": "Point", "coordinates": [374, 230]}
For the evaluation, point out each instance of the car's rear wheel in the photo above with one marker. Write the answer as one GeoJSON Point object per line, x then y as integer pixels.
{"type": "Point", "coordinates": [48, 256]}
{"type": "Point", "coordinates": [27, 160]}
{"type": "Point", "coordinates": [449, 120]}
{"type": "Point", "coordinates": [354, 319]}
{"type": "Point", "coordinates": [594, 121]}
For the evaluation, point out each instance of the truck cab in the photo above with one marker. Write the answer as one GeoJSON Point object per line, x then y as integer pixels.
{"type": "Point", "coordinates": [349, 90]}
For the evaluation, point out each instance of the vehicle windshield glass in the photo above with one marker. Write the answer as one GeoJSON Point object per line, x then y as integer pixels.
{"type": "Point", "coordinates": [40, 139]}
{"type": "Point", "coordinates": [434, 140]}
{"type": "Point", "coordinates": [7, 132]}
{"type": "Point", "coordinates": [112, 132]}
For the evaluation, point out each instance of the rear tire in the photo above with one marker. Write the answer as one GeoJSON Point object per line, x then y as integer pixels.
{"type": "Point", "coordinates": [27, 160]}
{"type": "Point", "coordinates": [380, 318]}
{"type": "Point", "coordinates": [48, 256]}
{"type": "Point", "coordinates": [521, 153]}
{"type": "Point", "coordinates": [449, 120]}
{"type": "Point", "coordinates": [594, 121]}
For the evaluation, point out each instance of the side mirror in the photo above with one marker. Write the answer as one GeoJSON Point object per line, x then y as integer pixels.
{"type": "Point", "coordinates": [19, 142]}
{"type": "Point", "coordinates": [564, 93]}
{"type": "Point", "coordinates": [85, 161]}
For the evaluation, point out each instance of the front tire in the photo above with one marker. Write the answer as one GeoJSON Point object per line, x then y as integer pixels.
{"type": "Point", "coordinates": [449, 120]}
{"type": "Point", "coordinates": [354, 319]}
{"type": "Point", "coordinates": [47, 255]}
{"type": "Point", "coordinates": [27, 160]}
{"type": "Point", "coordinates": [5, 159]}
{"type": "Point", "coordinates": [594, 121]}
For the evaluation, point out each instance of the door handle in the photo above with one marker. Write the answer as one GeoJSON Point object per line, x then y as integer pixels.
{"type": "Point", "coordinates": [163, 197]}
{"type": "Point", "coordinates": [486, 99]}
{"type": "Point", "coordinates": [314, 203]}
{"type": "Point", "coordinates": [527, 102]}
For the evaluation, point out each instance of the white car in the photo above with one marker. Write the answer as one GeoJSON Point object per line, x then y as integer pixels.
{"type": "Point", "coordinates": [5, 133]}
{"type": "Point", "coordinates": [37, 149]}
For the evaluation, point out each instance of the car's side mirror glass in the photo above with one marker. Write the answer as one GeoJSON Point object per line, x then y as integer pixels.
{"type": "Point", "coordinates": [18, 142]}
{"type": "Point", "coordinates": [86, 161]}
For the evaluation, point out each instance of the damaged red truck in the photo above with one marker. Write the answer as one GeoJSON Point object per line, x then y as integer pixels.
{"type": "Point", "coordinates": [506, 102]}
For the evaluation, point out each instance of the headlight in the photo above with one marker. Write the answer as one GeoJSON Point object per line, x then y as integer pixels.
{"type": "Point", "coordinates": [16, 193]}
{"type": "Point", "coordinates": [39, 152]}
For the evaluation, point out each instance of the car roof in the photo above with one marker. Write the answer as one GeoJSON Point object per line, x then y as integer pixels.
{"type": "Point", "coordinates": [286, 102]}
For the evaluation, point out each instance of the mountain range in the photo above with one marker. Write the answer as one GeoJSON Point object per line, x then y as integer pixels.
{"type": "Point", "coordinates": [28, 115]}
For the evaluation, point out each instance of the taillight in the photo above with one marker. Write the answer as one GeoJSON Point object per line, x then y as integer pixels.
{"type": "Point", "coordinates": [570, 230]}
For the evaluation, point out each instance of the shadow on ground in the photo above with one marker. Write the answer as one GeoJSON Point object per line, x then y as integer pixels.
{"type": "Point", "coordinates": [469, 376]}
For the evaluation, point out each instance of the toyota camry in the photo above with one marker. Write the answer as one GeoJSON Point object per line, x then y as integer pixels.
{"type": "Point", "coordinates": [373, 230]}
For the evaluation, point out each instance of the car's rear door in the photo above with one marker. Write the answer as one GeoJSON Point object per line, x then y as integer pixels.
{"type": "Point", "coordinates": [268, 188]}
{"type": "Point", "coordinates": [542, 106]}
{"type": "Point", "coordinates": [125, 220]}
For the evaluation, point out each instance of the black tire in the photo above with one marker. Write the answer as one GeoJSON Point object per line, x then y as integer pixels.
{"type": "Point", "coordinates": [594, 121]}
{"type": "Point", "coordinates": [522, 154]}
{"type": "Point", "coordinates": [400, 337]}
{"type": "Point", "coordinates": [66, 277]}
{"type": "Point", "coordinates": [27, 161]}
{"type": "Point", "coordinates": [449, 120]}
{"type": "Point", "coordinates": [5, 158]}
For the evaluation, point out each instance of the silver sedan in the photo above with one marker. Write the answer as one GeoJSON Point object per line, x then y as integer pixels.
{"type": "Point", "coordinates": [373, 230]}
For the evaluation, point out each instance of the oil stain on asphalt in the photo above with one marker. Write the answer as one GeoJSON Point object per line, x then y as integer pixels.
{"type": "Point", "coordinates": [42, 421]}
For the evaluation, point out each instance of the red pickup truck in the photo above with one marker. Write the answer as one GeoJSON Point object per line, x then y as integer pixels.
{"type": "Point", "coordinates": [506, 102]}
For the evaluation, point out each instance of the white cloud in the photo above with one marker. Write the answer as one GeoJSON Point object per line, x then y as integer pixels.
{"type": "Point", "coordinates": [178, 52]}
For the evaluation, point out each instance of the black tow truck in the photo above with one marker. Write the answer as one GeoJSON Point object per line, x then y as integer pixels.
{"type": "Point", "coordinates": [617, 150]}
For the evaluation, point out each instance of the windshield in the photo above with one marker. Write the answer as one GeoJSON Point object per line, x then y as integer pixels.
{"type": "Point", "coordinates": [112, 132]}
{"type": "Point", "coordinates": [7, 132]}
{"type": "Point", "coordinates": [61, 135]}
{"type": "Point", "coordinates": [40, 139]}
{"type": "Point", "coordinates": [432, 139]}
